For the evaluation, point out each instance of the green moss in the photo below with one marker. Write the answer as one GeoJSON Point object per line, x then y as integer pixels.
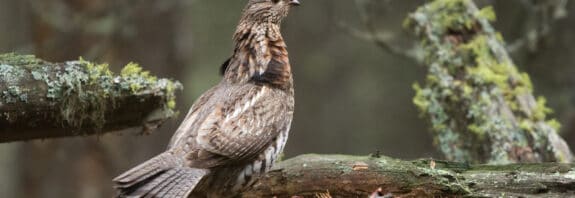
{"type": "Point", "coordinates": [444, 174]}
{"type": "Point", "coordinates": [96, 71]}
{"type": "Point", "coordinates": [485, 75]}
{"type": "Point", "coordinates": [84, 91]}
{"type": "Point", "coordinates": [487, 13]}
{"type": "Point", "coordinates": [137, 77]}
{"type": "Point", "coordinates": [467, 90]}
{"type": "Point", "coordinates": [469, 80]}
{"type": "Point", "coordinates": [526, 125]}
{"type": "Point", "coordinates": [442, 15]}
{"type": "Point", "coordinates": [445, 17]}
{"type": "Point", "coordinates": [91, 105]}
{"type": "Point", "coordinates": [171, 97]}
{"type": "Point", "coordinates": [420, 101]}
{"type": "Point", "coordinates": [499, 37]}
{"type": "Point", "coordinates": [131, 69]}
{"type": "Point", "coordinates": [490, 72]}
{"type": "Point", "coordinates": [541, 110]}
{"type": "Point", "coordinates": [19, 60]}
{"type": "Point", "coordinates": [554, 124]}
{"type": "Point", "coordinates": [526, 83]}
{"type": "Point", "coordinates": [479, 131]}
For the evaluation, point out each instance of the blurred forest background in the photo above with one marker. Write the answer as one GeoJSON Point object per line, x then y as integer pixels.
{"type": "Point", "coordinates": [353, 96]}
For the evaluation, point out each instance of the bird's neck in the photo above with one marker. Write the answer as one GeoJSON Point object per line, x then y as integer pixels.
{"type": "Point", "coordinates": [260, 56]}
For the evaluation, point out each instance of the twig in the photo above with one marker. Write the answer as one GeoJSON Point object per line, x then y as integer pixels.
{"type": "Point", "coordinates": [380, 39]}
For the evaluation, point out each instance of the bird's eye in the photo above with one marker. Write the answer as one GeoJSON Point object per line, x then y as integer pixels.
{"type": "Point", "coordinates": [275, 1]}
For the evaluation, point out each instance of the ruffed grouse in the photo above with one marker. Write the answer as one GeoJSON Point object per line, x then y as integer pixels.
{"type": "Point", "coordinates": [236, 130]}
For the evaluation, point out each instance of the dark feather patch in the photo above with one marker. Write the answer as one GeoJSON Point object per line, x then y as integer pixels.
{"type": "Point", "coordinates": [274, 75]}
{"type": "Point", "coordinates": [224, 66]}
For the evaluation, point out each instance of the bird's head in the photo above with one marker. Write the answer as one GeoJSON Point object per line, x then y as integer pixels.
{"type": "Point", "coordinates": [260, 11]}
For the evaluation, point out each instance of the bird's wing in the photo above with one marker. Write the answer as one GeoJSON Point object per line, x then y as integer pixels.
{"type": "Point", "coordinates": [181, 137]}
{"type": "Point", "coordinates": [242, 126]}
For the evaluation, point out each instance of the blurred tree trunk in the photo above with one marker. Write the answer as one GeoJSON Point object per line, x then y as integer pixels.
{"type": "Point", "coordinates": [13, 37]}
{"type": "Point", "coordinates": [116, 32]}
{"type": "Point", "coordinates": [9, 170]}
{"type": "Point", "coordinates": [481, 107]}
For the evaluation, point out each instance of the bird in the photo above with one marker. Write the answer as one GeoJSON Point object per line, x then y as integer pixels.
{"type": "Point", "coordinates": [235, 131]}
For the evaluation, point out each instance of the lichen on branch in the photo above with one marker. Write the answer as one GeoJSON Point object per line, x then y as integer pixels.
{"type": "Point", "coordinates": [42, 99]}
{"type": "Point", "coordinates": [481, 107]}
{"type": "Point", "coordinates": [359, 176]}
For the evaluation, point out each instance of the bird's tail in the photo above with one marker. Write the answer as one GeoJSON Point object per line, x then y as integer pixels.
{"type": "Point", "coordinates": [161, 176]}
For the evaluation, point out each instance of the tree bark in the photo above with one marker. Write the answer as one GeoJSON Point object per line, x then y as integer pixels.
{"type": "Point", "coordinates": [481, 108]}
{"type": "Point", "coordinates": [359, 176]}
{"type": "Point", "coordinates": [44, 100]}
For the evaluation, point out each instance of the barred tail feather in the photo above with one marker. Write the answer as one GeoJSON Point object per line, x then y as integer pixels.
{"type": "Point", "coordinates": [161, 176]}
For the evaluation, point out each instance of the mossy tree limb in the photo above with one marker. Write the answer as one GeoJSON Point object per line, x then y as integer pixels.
{"type": "Point", "coordinates": [41, 100]}
{"type": "Point", "coordinates": [481, 108]}
{"type": "Point", "coordinates": [357, 176]}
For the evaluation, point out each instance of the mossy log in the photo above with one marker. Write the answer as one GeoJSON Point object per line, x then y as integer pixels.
{"type": "Point", "coordinates": [39, 99]}
{"type": "Point", "coordinates": [481, 108]}
{"type": "Point", "coordinates": [356, 176]}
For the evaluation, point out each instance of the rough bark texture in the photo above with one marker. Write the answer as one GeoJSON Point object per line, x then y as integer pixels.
{"type": "Point", "coordinates": [481, 108]}
{"type": "Point", "coordinates": [39, 99]}
{"type": "Point", "coordinates": [356, 176]}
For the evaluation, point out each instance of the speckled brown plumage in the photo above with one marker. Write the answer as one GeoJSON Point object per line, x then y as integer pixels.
{"type": "Point", "coordinates": [236, 130]}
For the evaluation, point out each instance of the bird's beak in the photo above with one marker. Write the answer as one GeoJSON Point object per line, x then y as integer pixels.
{"type": "Point", "coordinates": [294, 2]}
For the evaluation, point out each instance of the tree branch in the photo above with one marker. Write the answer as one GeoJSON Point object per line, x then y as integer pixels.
{"type": "Point", "coordinates": [381, 39]}
{"type": "Point", "coordinates": [356, 176]}
{"type": "Point", "coordinates": [41, 100]}
{"type": "Point", "coordinates": [481, 107]}
{"type": "Point", "coordinates": [541, 17]}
